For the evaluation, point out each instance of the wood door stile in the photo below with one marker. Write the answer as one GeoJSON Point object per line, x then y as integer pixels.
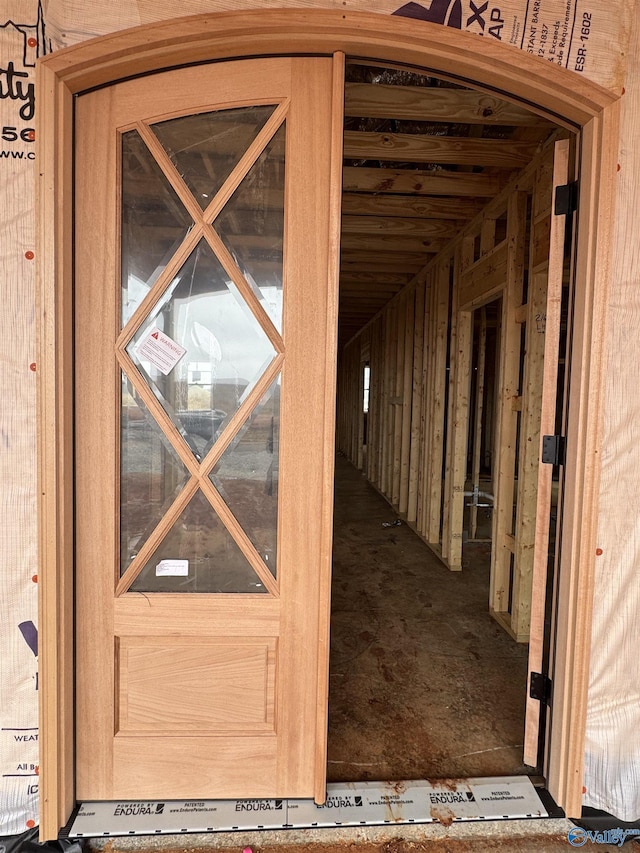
{"type": "Point", "coordinates": [331, 357]}
{"type": "Point", "coordinates": [211, 695]}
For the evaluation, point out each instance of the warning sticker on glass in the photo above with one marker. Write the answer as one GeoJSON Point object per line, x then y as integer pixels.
{"type": "Point", "coordinates": [172, 569]}
{"type": "Point", "coordinates": [161, 350]}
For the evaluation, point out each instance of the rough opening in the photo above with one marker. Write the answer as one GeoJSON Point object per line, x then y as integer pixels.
{"type": "Point", "coordinates": [445, 273]}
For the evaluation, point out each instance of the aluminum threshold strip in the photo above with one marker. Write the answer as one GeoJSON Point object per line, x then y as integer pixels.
{"type": "Point", "coordinates": [347, 804]}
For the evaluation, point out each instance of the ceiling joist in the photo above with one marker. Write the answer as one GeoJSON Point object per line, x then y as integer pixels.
{"type": "Point", "coordinates": [414, 246]}
{"type": "Point", "coordinates": [419, 182]}
{"type": "Point", "coordinates": [365, 204]}
{"type": "Point", "coordinates": [444, 229]}
{"type": "Point", "coordinates": [453, 150]}
{"type": "Point", "coordinates": [428, 103]}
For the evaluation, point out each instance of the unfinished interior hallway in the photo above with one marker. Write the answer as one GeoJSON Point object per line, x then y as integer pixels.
{"type": "Point", "coordinates": [446, 385]}
{"type": "Point", "coordinates": [423, 682]}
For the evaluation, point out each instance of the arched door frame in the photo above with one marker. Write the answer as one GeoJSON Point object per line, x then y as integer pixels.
{"type": "Point", "coordinates": [561, 95]}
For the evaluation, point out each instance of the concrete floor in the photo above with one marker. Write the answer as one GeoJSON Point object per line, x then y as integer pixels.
{"type": "Point", "coordinates": [423, 683]}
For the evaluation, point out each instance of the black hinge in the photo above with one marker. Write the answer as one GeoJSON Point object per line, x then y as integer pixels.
{"type": "Point", "coordinates": [553, 449]}
{"type": "Point", "coordinates": [566, 199]}
{"type": "Point", "coordinates": [540, 687]}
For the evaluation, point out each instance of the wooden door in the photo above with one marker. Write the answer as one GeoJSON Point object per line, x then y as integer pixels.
{"type": "Point", "coordinates": [205, 300]}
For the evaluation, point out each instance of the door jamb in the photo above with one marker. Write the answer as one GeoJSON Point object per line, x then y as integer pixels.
{"type": "Point", "coordinates": [561, 95]}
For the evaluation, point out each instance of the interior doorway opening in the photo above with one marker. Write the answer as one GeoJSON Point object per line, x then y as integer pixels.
{"type": "Point", "coordinates": [445, 518]}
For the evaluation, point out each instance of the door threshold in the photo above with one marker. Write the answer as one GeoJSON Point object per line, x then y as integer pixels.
{"type": "Point", "coordinates": [443, 801]}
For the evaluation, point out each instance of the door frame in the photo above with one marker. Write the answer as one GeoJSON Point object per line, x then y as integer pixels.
{"type": "Point", "coordinates": [563, 96]}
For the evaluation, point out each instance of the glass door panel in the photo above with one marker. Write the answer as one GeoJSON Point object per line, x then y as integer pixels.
{"type": "Point", "coordinates": [206, 148]}
{"type": "Point", "coordinates": [198, 347]}
{"type": "Point", "coordinates": [151, 476]}
{"type": "Point", "coordinates": [251, 225]}
{"type": "Point", "coordinates": [222, 350]}
{"type": "Point", "coordinates": [246, 475]}
{"type": "Point", "coordinates": [198, 555]}
{"type": "Point", "coordinates": [154, 222]}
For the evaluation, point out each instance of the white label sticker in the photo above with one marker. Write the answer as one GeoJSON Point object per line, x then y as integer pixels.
{"type": "Point", "coordinates": [172, 568]}
{"type": "Point", "coordinates": [158, 348]}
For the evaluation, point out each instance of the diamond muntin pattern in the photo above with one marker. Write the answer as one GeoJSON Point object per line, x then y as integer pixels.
{"type": "Point", "coordinates": [226, 350]}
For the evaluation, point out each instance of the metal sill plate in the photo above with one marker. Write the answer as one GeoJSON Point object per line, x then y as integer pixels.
{"type": "Point", "coordinates": [347, 804]}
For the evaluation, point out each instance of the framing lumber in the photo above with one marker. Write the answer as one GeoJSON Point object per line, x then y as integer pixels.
{"type": "Point", "coordinates": [379, 261]}
{"type": "Point", "coordinates": [506, 423]}
{"type": "Point", "coordinates": [406, 206]}
{"type": "Point", "coordinates": [406, 226]}
{"type": "Point", "coordinates": [533, 392]}
{"type": "Point", "coordinates": [371, 280]}
{"type": "Point", "coordinates": [437, 415]}
{"type": "Point", "coordinates": [427, 276]}
{"type": "Point", "coordinates": [478, 418]}
{"type": "Point", "coordinates": [455, 474]}
{"type": "Point", "coordinates": [392, 244]}
{"type": "Point", "coordinates": [405, 411]}
{"type": "Point", "coordinates": [407, 147]}
{"type": "Point", "coordinates": [417, 391]}
{"type": "Point", "coordinates": [420, 182]}
{"type": "Point", "coordinates": [398, 399]}
{"type": "Point", "coordinates": [385, 404]}
{"type": "Point", "coordinates": [483, 281]}
{"type": "Point", "coordinates": [417, 103]}
{"type": "Point", "coordinates": [448, 432]}
{"type": "Point", "coordinates": [375, 396]}
{"type": "Point", "coordinates": [358, 293]}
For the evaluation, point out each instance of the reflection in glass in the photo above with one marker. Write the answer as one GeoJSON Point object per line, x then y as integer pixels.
{"type": "Point", "coordinates": [154, 222]}
{"type": "Point", "coordinates": [151, 474]}
{"type": "Point", "coordinates": [226, 350]}
{"type": "Point", "coordinates": [205, 148]}
{"type": "Point", "coordinates": [252, 226]}
{"type": "Point", "coordinates": [207, 555]}
{"type": "Point", "coordinates": [247, 475]}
